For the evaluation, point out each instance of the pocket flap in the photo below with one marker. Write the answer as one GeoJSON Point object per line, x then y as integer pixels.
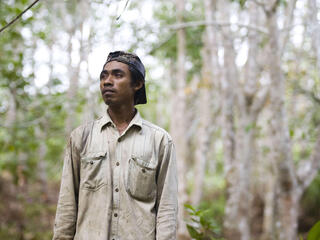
{"type": "Point", "coordinates": [143, 163]}
{"type": "Point", "coordinates": [94, 156]}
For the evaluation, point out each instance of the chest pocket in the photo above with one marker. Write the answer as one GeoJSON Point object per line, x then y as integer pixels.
{"type": "Point", "coordinates": [141, 179]}
{"type": "Point", "coordinates": [93, 171]}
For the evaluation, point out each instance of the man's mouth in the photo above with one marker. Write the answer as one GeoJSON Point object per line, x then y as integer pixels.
{"type": "Point", "coordinates": [108, 91]}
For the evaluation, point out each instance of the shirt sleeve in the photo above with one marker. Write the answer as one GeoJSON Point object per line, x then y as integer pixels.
{"type": "Point", "coordinates": [167, 203]}
{"type": "Point", "coordinates": [66, 215]}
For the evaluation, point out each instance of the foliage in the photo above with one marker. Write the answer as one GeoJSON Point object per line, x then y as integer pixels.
{"type": "Point", "coordinates": [26, 213]}
{"type": "Point", "coordinates": [310, 205]}
{"type": "Point", "coordinates": [314, 233]}
{"type": "Point", "coordinates": [202, 226]}
{"type": "Point", "coordinates": [15, 99]}
{"type": "Point", "coordinates": [26, 210]}
{"type": "Point", "coordinates": [241, 2]}
{"type": "Point", "coordinates": [167, 49]}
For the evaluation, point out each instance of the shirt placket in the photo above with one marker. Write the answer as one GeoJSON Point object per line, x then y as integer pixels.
{"type": "Point", "coordinates": [116, 165]}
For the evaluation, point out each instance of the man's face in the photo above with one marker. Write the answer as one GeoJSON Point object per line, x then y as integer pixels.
{"type": "Point", "coordinates": [115, 84]}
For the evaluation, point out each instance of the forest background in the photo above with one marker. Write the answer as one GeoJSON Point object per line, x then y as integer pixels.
{"type": "Point", "coordinates": [236, 83]}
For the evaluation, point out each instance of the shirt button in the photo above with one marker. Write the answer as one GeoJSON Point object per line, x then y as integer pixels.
{"type": "Point", "coordinates": [117, 189]}
{"type": "Point", "coordinates": [117, 163]}
{"type": "Point", "coordinates": [143, 170]}
{"type": "Point", "coordinates": [91, 162]}
{"type": "Point", "coordinates": [119, 139]}
{"type": "Point", "coordinates": [115, 215]}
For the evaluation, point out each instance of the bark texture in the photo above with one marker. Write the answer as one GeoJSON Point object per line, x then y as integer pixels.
{"type": "Point", "coordinates": [178, 124]}
{"type": "Point", "coordinates": [203, 133]}
{"type": "Point", "coordinates": [206, 97]}
{"type": "Point", "coordinates": [248, 100]}
{"type": "Point", "coordinates": [230, 75]}
{"type": "Point", "coordinates": [286, 201]}
{"type": "Point", "coordinates": [315, 29]}
{"type": "Point", "coordinates": [76, 33]}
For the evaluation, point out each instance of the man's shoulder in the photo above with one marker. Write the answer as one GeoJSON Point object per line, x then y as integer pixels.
{"type": "Point", "coordinates": [83, 130]}
{"type": "Point", "coordinates": [155, 128]}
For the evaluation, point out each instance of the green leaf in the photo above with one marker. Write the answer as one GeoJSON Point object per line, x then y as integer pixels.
{"type": "Point", "coordinates": [198, 213]}
{"type": "Point", "coordinates": [42, 35]}
{"type": "Point", "coordinates": [283, 2]}
{"type": "Point", "coordinates": [193, 232]}
{"type": "Point", "coordinates": [249, 127]}
{"type": "Point", "coordinates": [291, 132]}
{"type": "Point", "coordinates": [242, 3]}
{"type": "Point", "coordinates": [203, 221]}
{"type": "Point", "coordinates": [314, 233]}
{"type": "Point", "coordinates": [188, 206]}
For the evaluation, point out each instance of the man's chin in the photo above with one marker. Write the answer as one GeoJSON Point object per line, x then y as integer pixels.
{"type": "Point", "coordinates": [107, 101]}
{"type": "Point", "coordinates": [110, 103]}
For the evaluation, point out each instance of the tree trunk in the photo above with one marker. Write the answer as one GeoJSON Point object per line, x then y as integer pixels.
{"type": "Point", "coordinates": [287, 25]}
{"type": "Point", "coordinates": [11, 115]}
{"type": "Point", "coordinates": [11, 122]}
{"type": "Point", "coordinates": [245, 148]}
{"type": "Point", "coordinates": [74, 80]}
{"type": "Point", "coordinates": [286, 203]}
{"type": "Point", "coordinates": [206, 94]}
{"type": "Point", "coordinates": [42, 164]}
{"type": "Point", "coordinates": [72, 90]}
{"type": "Point", "coordinates": [315, 30]}
{"type": "Point", "coordinates": [245, 143]}
{"type": "Point", "coordinates": [178, 124]}
{"type": "Point", "coordinates": [91, 109]}
{"type": "Point", "coordinates": [250, 102]}
{"type": "Point", "coordinates": [228, 131]}
{"type": "Point", "coordinates": [268, 227]}
{"type": "Point", "coordinates": [203, 134]}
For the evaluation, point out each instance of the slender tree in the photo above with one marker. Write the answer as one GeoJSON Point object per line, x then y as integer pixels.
{"type": "Point", "coordinates": [178, 124]}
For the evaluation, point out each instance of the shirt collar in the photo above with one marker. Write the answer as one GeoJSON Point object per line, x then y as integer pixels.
{"type": "Point", "coordinates": [106, 120]}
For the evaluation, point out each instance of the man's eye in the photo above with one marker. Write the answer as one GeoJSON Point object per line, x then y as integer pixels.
{"type": "Point", "coordinates": [103, 76]}
{"type": "Point", "coordinates": [118, 75]}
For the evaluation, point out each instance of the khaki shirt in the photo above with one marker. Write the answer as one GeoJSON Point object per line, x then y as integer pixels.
{"type": "Point", "coordinates": [118, 187]}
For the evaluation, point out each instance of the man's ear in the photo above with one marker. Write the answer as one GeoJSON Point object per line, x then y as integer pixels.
{"type": "Point", "coordinates": [137, 86]}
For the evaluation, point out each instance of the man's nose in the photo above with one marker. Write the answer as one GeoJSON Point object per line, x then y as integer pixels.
{"type": "Point", "coordinates": [108, 80]}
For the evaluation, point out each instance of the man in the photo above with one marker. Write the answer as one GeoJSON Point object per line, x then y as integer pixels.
{"type": "Point", "coordinates": [119, 176]}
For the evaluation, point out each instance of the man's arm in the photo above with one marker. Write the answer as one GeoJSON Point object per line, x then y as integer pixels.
{"type": "Point", "coordinates": [167, 203]}
{"type": "Point", "coordinates": [66, 216]}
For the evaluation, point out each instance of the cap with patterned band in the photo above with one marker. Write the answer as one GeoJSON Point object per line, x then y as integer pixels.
{"type": "Point", "coordinates": [134, 61]}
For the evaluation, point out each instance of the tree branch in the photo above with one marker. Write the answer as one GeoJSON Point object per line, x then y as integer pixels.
{"type": "Point", "coordinates": [123, 10]}
{"type": "Point", "coordinates": [19, 16]}
{"type": "Point", "coordinates": [154, 49]}
{"type": "Point", "coordinates": [221, 24]}
{"type": "Point", "coordinates": [275, 6]}
{"type": "Point", "coordinates": [309, 94]}
{"type": "Point", "coordinates": [272, 9]}
{"type": "Point", "coordinates": [308, 169]}
{"type": "Point", "coordinates": [260, 101]}
{"type": "Point", "coordinates": [287, 25]}
{"type": "Point", "coordinates": [259, 3]}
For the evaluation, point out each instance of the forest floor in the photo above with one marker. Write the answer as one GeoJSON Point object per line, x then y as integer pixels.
{"type": "Point", "coordinates": [27, 210]}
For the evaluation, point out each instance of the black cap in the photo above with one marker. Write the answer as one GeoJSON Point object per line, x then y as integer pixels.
{"type": "Point", "coordinates": [134, 61]}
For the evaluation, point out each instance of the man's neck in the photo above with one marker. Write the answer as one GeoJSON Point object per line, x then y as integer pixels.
{"type": "Point", "coordinates": [121, 116]}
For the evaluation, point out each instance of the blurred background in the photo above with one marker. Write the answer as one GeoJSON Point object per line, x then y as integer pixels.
{"type": "Point", "coordinates": [235, 82]}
